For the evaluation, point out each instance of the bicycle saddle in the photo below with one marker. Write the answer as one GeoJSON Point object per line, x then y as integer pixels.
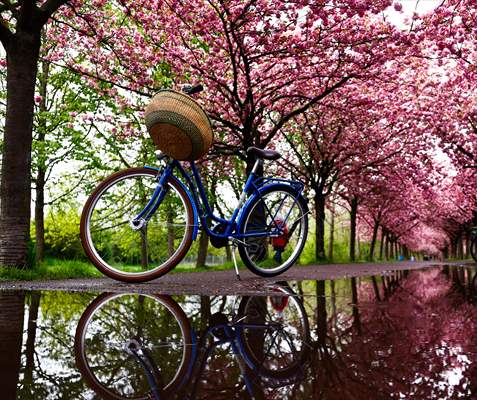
{"type": "Point", "coordinates": [264, 153]}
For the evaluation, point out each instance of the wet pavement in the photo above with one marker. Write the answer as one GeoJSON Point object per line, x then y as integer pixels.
{"type": "Point", "coordinates": [406, 333]}
{"type": "Point", "coordinates": [212, 282]}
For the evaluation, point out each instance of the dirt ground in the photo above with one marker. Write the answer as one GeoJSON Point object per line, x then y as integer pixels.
{"type": "Point", "coordinates": [219, 282]}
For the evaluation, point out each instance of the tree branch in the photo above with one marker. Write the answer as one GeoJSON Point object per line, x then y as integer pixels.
{"type": "Point", "coordinates": [48, 9]}
{"type": "Point", "coordinates": [6, 35]}
{"type": "Point", "coordinates": [302, 109]}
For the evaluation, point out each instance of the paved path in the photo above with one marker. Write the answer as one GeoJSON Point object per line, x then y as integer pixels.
{"type": "Point", "coordinates": [221, 282]}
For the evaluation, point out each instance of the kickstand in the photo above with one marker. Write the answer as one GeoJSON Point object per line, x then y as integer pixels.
{"type": "Point", "coordinates": [235, 261]}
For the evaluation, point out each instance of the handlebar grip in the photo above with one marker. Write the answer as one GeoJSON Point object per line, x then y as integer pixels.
{"type": "Point", "coordinates": [188, 89]}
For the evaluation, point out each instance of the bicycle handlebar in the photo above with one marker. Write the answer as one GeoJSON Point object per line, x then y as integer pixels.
{"type": "Point", "coordinates": [189, 89]}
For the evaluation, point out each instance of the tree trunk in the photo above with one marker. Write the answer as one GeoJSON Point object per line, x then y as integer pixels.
{"type": "Point", "coordinates": [354, 301]}
{"type": "Point", "coordinates": [203, 247]}
{"type": "Point", "coordinates": [332, 234]}
{"type": "Point", "coordinates": [205, 313]}
{"type": "Point", "coordinates": [467, 245]}
{"type": "Point", "coordinates": [376, 288]}
{"type": "Point", "coordinates": [170, 231]}
{"type": "Point", "coordinates": [373, 241]}
{"type": "Point", "coordinates": [41, 172]}
{"type": "Point", "coordinates": [381, 245]}
{"type": "Point", "coordinates": [320, 225]}
{"type": "Point", "coordinates": [228, 253]}
{"type": "Point", "coordinates": [358, 246]}
{"type": "Point", "coordinates": [15, 184]}
{"type": "Point", "coordinates": [461, 247]}
{"type": "Point", "coordinates": [31, 337]}
{"type": "Point", "coordinates": [39, 216]}
{"type": "Point", "coordinates": [406, 253]}
{"type": "Point", "coordinates": [445, 252]}
{"type": "Point", "coordinates": [352, 236]}
{"type": "Point", "coordinates": [11, 335]}
{"type": "Point", "coordinates": [333, 303]}
{"type": "Point", "coordinates": [453, 250]}
{"type": "Point", "coordinates": [321, 315]}
{"type": "Point", "coordinates": [386, 246]}
{"type": "Point", "coordinates": [144, 252]}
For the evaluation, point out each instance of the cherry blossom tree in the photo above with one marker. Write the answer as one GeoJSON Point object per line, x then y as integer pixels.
{"type": "Point", "coordinates": [263, 63]}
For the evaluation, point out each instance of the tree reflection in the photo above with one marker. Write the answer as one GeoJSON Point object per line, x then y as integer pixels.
{"type": "Point", "coordinates": [419, 340]}
{"type": "Point", "coordinates": [11, 329]}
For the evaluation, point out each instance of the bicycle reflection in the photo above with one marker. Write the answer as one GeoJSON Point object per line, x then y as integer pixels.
{"type": "Point", "coordinates": [132, 346]}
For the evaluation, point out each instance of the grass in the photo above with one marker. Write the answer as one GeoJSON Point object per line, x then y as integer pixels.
{"type": "Point", "coordinates": [53, 268]}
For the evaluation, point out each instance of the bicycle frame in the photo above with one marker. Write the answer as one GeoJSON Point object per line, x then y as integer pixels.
{"type": "Point", "coordinates": [202, 210]}
{"type": "Point", "coordinates": [237, 346]}
{"type": "Point", "coordinates": [194, 374]}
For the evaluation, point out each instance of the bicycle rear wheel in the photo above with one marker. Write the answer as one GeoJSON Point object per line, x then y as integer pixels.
{"type": "Point", "coordinates": [119, 250]}
{"type": "Point", "coordinates": [282, 350]}
{"type": "Point", "coordinates": [276, 207]}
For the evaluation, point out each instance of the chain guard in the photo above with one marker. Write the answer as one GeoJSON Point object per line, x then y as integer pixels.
{"type": "Point", "coordinates": [219, 242]}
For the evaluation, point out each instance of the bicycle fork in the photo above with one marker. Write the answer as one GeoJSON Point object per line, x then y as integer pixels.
{"type": "Point", "coordinates": [156, 199]}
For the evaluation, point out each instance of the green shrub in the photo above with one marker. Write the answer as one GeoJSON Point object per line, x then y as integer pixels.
{"type": "Point", "coordinates": [62, 234]}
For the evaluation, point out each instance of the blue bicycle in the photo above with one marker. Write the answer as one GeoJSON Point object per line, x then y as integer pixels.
{"type": "Point", "coordinates": [139, 223]}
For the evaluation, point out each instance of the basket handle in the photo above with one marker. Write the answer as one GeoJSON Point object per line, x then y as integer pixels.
{"type": "Point", "coordinates": [189, 89]}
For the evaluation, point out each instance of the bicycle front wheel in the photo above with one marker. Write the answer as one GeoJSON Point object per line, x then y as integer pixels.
{"type": "Point", "coordinates": [126, 253]}
{"type": "Point", "coordinates": [159, 327]}
{"type": "Point", "coordinates": [281, 207]}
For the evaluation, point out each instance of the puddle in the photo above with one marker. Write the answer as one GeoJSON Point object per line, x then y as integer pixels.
{"type": "Point", "coordinates": [407, 334]}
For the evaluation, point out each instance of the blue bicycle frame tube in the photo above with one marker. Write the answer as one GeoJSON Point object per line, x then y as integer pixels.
{"type": "Point", "coordinates": [156, 198]}
{"type": "Point", "coordinates": [202, 210]}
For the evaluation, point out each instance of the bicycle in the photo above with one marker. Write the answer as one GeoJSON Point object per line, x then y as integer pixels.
{"type": "Point", "coordinates": [140, 358]}
{"type": "Point", "coordinates": [139, 223]}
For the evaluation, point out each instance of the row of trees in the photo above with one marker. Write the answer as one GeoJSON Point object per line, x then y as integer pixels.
{"type": "Point", "coordinates": [375, 118]}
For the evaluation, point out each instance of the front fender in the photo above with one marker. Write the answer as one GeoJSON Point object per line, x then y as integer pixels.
{"type": "Point", "coordinates": [191, 199]}
{"type": "Point", "coordinates": [268, 188]}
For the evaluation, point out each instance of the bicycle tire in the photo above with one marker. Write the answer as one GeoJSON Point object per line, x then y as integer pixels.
{"type": "Point", "coordinates": [247, 258]}
{"type": "Point", "coordinates": [89, 374]}
{"type": "Point", "coordinates": [296, 368]}
{"type": "Point", "coordinates": [105, 266]}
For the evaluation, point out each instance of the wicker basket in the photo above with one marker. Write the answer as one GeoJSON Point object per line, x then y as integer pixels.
{"type": "Point", "coordinates": [178, 126]}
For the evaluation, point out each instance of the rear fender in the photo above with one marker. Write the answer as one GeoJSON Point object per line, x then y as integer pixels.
{"type": "Point", "coordinates": [259, 192]}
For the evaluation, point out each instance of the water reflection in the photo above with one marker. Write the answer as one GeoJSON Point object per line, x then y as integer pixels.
{"type": "Point", "coordinates": [415, 337]}
{"type": "Point", "coordinates": [137, 346]}
{"type": "Point", "coordinates": [401, 335]}
{"type": "Point", "coordinates": [11, 327]}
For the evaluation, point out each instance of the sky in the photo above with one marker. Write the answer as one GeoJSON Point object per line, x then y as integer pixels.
{"type": "Point", "coordinates": [408, 8]}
